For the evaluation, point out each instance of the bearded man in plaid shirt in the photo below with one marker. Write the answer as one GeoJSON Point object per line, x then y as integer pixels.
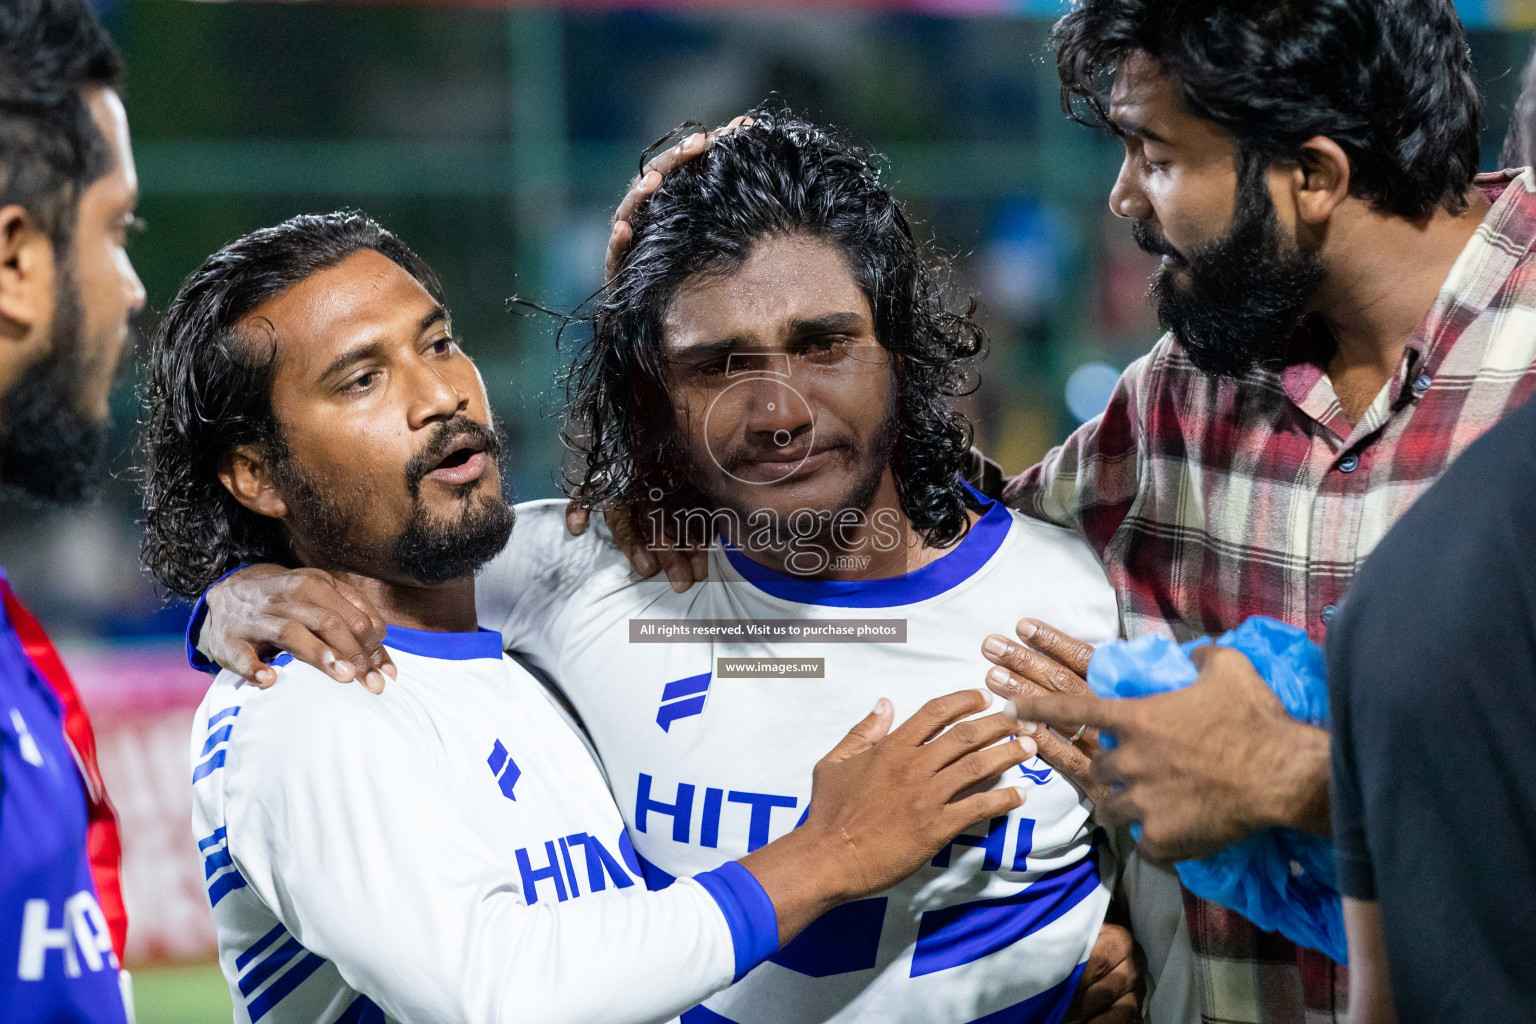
{"type": "Point", "coordinates": [1348, 309]}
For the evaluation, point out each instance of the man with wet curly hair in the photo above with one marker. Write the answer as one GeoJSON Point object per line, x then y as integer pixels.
{"type": "Point", "coordinates": [783, 179]}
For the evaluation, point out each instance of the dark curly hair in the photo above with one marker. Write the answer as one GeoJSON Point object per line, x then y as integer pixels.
{"type": "Point", "coordinates": [778, 177]}
{"type": "Point", "coordinates": [50, 148]}
{"type": "Point", "coordinates": [1390, 81]}
{"type": "Point", "coordinates": [210, 390]}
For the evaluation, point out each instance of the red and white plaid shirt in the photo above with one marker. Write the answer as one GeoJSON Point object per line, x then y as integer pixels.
{"type": "Point", "coordinates": [1212, 500]}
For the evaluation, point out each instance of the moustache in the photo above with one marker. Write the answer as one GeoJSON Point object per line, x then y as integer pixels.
{"type": "Point", "coordinates": [1153, 244]}
{"type": "Point", "coordinates": [449, 437]}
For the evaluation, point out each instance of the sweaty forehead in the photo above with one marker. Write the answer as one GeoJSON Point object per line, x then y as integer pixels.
{"type": "Point", "coordinates": [1146, 101]}
{"type": "Point", "coordinates": [785, 280]}
{"type": "Point", "coordinates": [106, 109]}
{"type": "Point", "coordinates": [366, 297]}
{"type": "Point", "coordinates": [1144, 94]}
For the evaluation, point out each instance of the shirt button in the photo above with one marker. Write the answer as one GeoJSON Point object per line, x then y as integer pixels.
{"type": "Point", "coordinates": [1330, 612]}
{"type": "Point", "coordinates": [1421, 383]}
{"type": "Point", "coordinates": [1349, 463]}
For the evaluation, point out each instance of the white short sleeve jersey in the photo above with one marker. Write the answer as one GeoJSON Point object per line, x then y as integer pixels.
{"type": "Point", "coordinates": [445, 852]}
{"type": "Point", "coordinates": [707, 765]}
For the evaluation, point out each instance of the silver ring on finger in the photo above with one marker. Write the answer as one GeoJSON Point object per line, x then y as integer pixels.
{"type": "Point", "coordinates": [1079, 734]}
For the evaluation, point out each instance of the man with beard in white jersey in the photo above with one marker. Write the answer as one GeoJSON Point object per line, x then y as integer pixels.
{"type": "Point", "coordinates": [773, 364]}
{"type": "Point", "coordinates": [448, 851]}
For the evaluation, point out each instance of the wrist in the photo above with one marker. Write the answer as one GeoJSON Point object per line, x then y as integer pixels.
{"type": "Point", "coordinates": [1297, 766]}
{"type": "Point", "coordinates": [749, 914]}
{"type": "Point", "coordinates": [198, 654]}
{"type": "Point", "coordinates": [801, 880]}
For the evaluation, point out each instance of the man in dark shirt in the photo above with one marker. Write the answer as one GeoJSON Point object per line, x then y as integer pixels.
{"type": "Point", "coordinates": [1432, 678]}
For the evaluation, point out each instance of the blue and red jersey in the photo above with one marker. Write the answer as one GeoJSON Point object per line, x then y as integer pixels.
{"type": "Point", "coordinates": [61, 912]}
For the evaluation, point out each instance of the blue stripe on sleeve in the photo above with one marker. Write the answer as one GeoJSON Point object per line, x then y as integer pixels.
{"type": "Point", "coordinates": [263, 970]}
{"type": "Point", "coordinates": [214, 838]}
{"type": "Point", "coordinates": [279, 989]}
{"type": "Point", "coordinates": [223, 886]}
{"type": "Point", "coordinates": [748, 912]}
{"type": "Point", "coordinates": [255, 948]}
{"type": "Point", "coordinates": [217, 736]}
{"type": "Point", "coordinates": [208, 767]}
{"type": "Point", "coordinates": [217, 861]}
{"type": "Point", "coordinates": [219, 716]}
{"type": "Point", "coordinates": [362, 1011]}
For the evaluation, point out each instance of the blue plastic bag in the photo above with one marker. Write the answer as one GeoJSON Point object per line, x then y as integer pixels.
{"type": "Point", "coordinates": [1281, 879]}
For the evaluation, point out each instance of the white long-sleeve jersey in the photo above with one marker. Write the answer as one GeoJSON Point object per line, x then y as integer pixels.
{"type": "Point", "coordinates": [445, 852]}
{"type": "Point", "coordinates": [708, 763]}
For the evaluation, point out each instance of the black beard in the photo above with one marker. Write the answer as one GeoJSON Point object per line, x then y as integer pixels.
{"type": "Point", "coordinates": [430, 552]}
{"type": "Point", "coordinates": [427, 551]}
{"type": "Point", "coordinates": [50, 451]}
{"type": "Point", "coordinates": [1245, 294]}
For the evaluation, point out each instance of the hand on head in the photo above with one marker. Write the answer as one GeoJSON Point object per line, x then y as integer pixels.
{"type": "Point", "coordinates": [646, 184]}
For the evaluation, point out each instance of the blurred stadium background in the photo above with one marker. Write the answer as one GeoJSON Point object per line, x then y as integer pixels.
{"type": "Point", "coordinates": [495, 138]}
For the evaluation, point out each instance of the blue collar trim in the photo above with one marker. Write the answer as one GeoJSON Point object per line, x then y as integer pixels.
{"type": "Point", "coordinates": [485, 643]}
{"type": "Point", "coordinates": [963, 561]}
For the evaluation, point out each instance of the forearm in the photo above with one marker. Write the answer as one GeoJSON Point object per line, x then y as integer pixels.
{"type": "Point", "coordinates": [418, 910]}
{"type": "Point", "coordinates": [1370, 989]}
{"type": "Point", "coordinates": [1044, 492]}
{"type": "Point", "coordinates": [627, 958]}
{"type": "Point", "coordinates": [1089, 482]}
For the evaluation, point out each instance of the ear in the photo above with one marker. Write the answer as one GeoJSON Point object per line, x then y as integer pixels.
{"type": "Point", "coordinates": [26, 274]}
{"type": "Point", "coordinates": [1321, 180]}
{"type": "Point", "coordinates": [245, 473]}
